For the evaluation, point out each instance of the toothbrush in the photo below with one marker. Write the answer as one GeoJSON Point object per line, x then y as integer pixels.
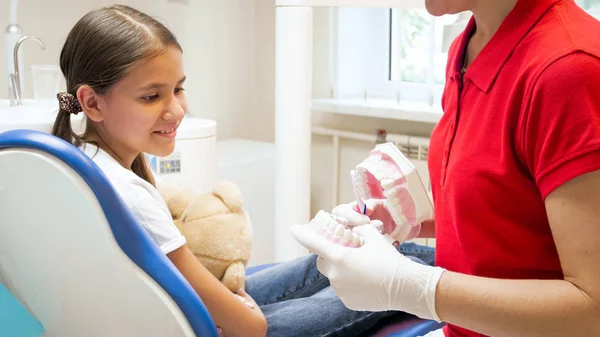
{"type": "Point", "coordinates": [360, 204]}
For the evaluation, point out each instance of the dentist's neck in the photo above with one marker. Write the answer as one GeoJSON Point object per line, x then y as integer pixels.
{"type": "Point", "coordinates": [489, 14]}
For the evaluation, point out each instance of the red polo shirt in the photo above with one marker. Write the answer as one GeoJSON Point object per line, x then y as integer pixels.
{"type": "Point", "coordinates": [525, 121]}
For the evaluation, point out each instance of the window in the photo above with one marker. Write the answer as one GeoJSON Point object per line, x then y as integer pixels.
{"type": "Point", "coordinates": [418, 57]}
{"type": "Point", "coordinates": [389, 53]}
{"type": "Point", "coordinates": [591, 6]}
{"type": "Point", "coordinates": [396, 54]}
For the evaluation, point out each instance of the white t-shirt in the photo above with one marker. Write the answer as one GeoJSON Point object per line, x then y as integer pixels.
{"type": "Point", "coordinates": [143, 200]}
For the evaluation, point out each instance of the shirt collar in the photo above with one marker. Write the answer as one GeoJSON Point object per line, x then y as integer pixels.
{"type": "Point", "coordinates": [486, 66]}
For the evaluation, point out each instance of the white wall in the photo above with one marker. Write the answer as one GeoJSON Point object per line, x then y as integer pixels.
{"type": "Point", "coordinates": [262, 118]}
{"type": "Point", "coordinates": [47, 20]}
{"type": "Point", "coordinates": [225, 81]}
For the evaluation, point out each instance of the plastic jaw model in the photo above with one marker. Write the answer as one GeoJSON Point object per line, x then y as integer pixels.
{"type": "Point", "coordinates": [335, 229]}
{"type": "Point", "coordinates": [389, 176]}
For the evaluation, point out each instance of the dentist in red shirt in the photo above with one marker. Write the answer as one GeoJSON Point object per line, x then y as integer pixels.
{"type": "Point", "coordinates": [515, 171]}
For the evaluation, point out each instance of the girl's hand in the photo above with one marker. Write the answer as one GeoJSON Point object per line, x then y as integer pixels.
{"type": "Point", "coordinates": [227, 311]}
{"type": "Point", "coordinates": [249, 302]}
{"type": "Point", "coordinates": [246, 299]}
{"type": "Point", "coordinates": [243, 297]}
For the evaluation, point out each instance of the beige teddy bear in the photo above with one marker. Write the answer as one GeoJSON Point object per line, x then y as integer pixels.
{"type": "Point", "coordinates": [216, 226]}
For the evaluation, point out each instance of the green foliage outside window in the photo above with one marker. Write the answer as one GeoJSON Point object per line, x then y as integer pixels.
{"type": "Point", "coordinates": [415, 24]}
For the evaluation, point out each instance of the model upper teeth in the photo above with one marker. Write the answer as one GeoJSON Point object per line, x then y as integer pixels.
{"type": "Point", "coordinates": [167, 131]}
{"type": "Point", "coordinates": [392, 186]}
{"type": "Point", "coordinates": [379, 176]}
{"type": "Point", "coordinates": [388, 183]}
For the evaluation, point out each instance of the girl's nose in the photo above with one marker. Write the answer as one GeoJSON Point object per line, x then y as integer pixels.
{"type": "Point", "coordinates": [175, 110]}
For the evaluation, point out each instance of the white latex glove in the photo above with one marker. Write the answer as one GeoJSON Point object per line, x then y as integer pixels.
{"type": "Point", "coordinates": [351, 213]}
{"type": "Point", "coordinates": [374, 277]}
{"type": "Point", "coordinates": [376, 209]}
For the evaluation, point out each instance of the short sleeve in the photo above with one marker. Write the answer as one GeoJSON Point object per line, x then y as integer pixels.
{"type": "Point", "coordinates": [561, 130]}
{"type": "Point", "coordinates": [150, 210]}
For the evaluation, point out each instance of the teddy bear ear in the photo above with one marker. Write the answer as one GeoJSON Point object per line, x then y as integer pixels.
{"type": "Point", "coordinates": [168, 188]}
{"type": "Point", "coordinates": [230, 193]}
{"type": "Point", "coordinates": [177, 197]}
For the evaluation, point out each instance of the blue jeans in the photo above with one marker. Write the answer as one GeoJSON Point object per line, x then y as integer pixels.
{"type": "Point", "coordinates": [297, 300]}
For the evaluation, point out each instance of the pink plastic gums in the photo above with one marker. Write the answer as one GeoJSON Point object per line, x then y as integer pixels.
{"type": "Point", "coordinates": [388, 175]}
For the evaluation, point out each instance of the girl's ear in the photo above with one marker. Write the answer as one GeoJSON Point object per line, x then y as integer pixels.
{"type": "Point", "coordinates": [89, 101]}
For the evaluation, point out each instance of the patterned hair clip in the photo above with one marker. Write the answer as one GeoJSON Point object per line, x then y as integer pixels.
{"type": "Point", "coordinates": [68, 102]}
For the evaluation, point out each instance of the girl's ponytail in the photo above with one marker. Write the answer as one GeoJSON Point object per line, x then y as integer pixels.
{"type": "Point", "coordinates": [141, 169]}
{"type": "Point", "coordinates": [68, 105]}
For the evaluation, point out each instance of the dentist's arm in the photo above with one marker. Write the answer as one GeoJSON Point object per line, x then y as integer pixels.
{"type": "Point", "coordinates": [427, 229]}
{"type": "Point", "coordinates": [229, 313]}
{"type": "Point", "coordinates": [569, 307]}
{"type": "Point", "coordinates": [376, 277]}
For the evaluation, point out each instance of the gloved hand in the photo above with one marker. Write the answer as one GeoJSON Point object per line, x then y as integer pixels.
{"type": "Point", "coordinates": [376, 209]}
{"type": "Point", "coordinates": [351, 213]}
{"type": "Point", "coordinates": [374, 277]}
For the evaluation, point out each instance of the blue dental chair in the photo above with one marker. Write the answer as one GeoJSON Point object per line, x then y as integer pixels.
{"type": "Point", "coordinates": [72, 254]}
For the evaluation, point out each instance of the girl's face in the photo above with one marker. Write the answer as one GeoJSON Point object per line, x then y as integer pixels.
{"type": "Point", "coordinates": [141, 112]}
{"type": "Point", "coordinates": [442, 7]}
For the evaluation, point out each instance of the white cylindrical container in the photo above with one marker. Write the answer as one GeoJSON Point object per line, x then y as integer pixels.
{"type": "Point", "coordinates": [192, 164]}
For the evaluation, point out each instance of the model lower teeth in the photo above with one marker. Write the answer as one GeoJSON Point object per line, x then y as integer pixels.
{"type": "Point", "coordinates": [335, 230]}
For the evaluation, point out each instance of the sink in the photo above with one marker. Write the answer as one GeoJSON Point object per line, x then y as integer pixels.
{"type": "Point", "coordinates": [34, 115]}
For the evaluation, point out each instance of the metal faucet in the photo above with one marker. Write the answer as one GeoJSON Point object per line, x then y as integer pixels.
{"type": "Point", "coordinates": [14, 82]}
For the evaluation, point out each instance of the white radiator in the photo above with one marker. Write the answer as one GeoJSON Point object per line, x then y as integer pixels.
{"type": "Point", "coordinates": [417, 152]}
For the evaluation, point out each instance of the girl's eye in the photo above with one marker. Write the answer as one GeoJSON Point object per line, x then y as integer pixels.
{"type": "Point", "coordinates": [178, 90]}
{"type": "Point", "coordinates": [150, 98]}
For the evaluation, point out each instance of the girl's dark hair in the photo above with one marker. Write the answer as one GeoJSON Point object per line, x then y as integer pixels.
{"type": "Point", "coordinates": [100, 50]}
